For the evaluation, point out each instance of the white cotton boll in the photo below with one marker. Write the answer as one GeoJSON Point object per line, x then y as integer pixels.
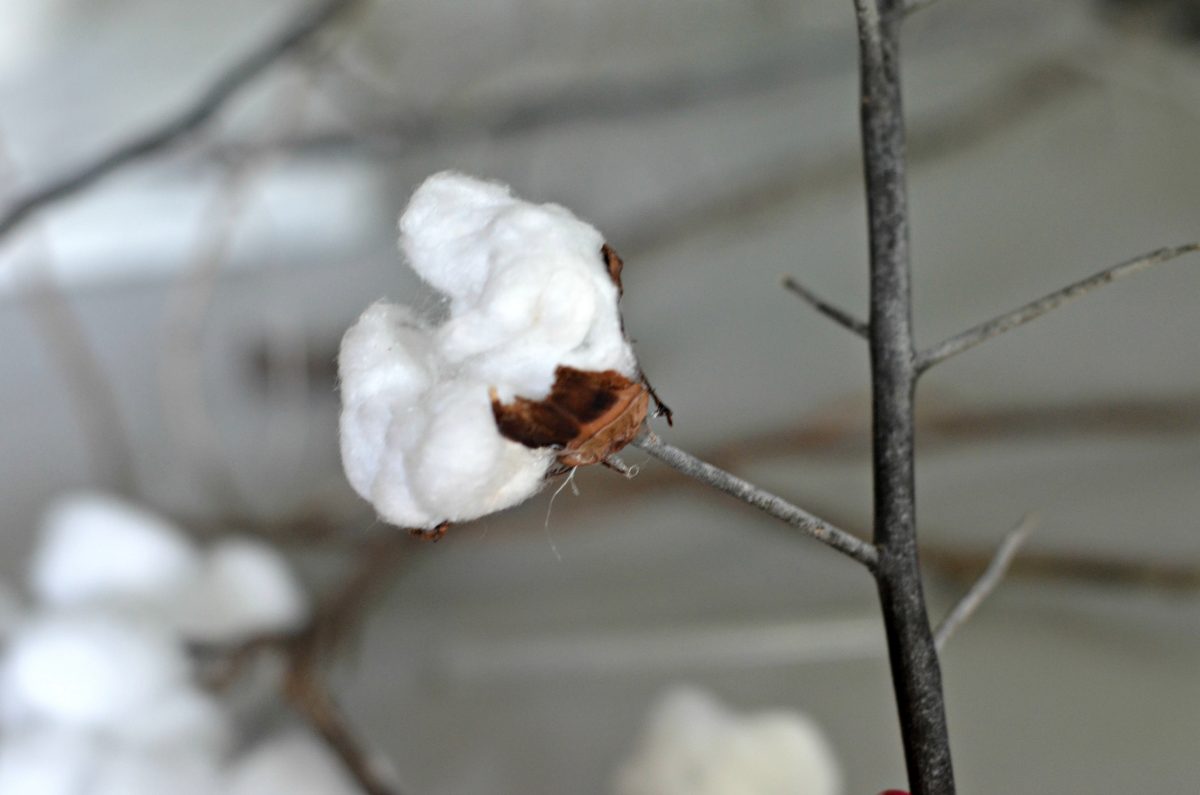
{"type": "Point", "coordinates": [47, 761]}
{"type": "Point", "coordinates": [695, 746]}
{"type": "Point", "coordinates": [292, 764]}
{"type": "Point", "coordinates": [137, 771]}
{"type": "Point", "coordinates": [442, 227]}
{"type": "Point", "coordinates": [531, 291]}
{"type": "Point", "coordinates": [245, 589]}
{"type": "Point", "coordinates": [88, 669]}
{"type": "Point", "coordinates": [94, 547]}
{"type": "Point", "coordinates": [185, 718]}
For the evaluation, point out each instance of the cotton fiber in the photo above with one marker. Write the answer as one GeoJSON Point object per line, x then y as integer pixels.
{"type": "Point", "coordinates": [693, 745]}
{"type": "Point", "coordinates": [528, 290]}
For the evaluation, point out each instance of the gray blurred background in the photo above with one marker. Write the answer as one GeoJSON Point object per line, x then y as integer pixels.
{"type": "Point", "coordinates": [170, 333]}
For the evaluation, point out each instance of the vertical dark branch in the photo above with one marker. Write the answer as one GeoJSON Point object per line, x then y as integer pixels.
{"type": "Point", "coordinates": [916, 675]}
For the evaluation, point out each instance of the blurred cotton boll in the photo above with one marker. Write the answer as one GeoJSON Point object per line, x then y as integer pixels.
{"type": "Point", "coordinates": [529, 291]}
{"type": "Point", "coordinates": [89, 668]}
{"type": "Point", "coordinates": [47, 761]}
{"type": "Point", "coordinates": [693, 745]}
{"type": "Point", "coordinates": [291, 764]}
{"type": "Point", "coordinates": [98, 548]}
{"type": "Point", "coordinates": [244, 589]}
{"type": "Point", "coordinates": [97, 687]}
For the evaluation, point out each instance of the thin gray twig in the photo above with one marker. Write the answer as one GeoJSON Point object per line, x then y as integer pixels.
{"type": "Point", "coordinates": [1035, 309]}
{"type": "Point", "coordinates": [831, 311]}
{"type": "Point", "coordinates": [987, 582]}
{"type": "Point", "coordinates": [913, 6]}
{"type": "Point", "coordinates": [199, 111]}
{"type": "Point", "coordinates": [772, 504]}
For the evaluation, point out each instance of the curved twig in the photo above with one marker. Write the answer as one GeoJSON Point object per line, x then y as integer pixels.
{"type": "Point", "coordinates": [987, 581]}
{"type": "Point", "coordinates": [831, 311]}
{"type": "Point", "coordinates": [772, 504]}
{"type": "Point", "coordinates": [1018, 317]}
{"type": "Point", "coordinates": [228, 83]}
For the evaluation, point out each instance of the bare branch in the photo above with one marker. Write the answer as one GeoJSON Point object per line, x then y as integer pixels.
{"type": "Point", "coordinates": [747, 492]}
{"type": "Point", "coordinates": [307, 651]}
{"type": "Point", "coordinates": [987, 582]}
{"type": "Point", "coordinates": [70, 348]}
{"type": "Point", "coordinates": [193, 116]}
{"type": "Point", "coordinates": [913, 6]}
{"type": "Point", "coordinates": [916, 672]}
{"type": "Point", "coordinates": [1035, 309]}
{"type": "Point", "coordinates": [834, 313]}
{"type": "Point", "coordinates": [1074, 566]}
{"type": "Point", "coordinates": [310, 696]}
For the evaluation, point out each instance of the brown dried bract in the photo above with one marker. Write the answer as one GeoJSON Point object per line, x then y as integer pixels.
{"type": "Point", "coordinates": [588, 415]}
{"type": "Point", "coordinates": [614, 264]}
{"type": "Point", "coordinates": [433, 534]}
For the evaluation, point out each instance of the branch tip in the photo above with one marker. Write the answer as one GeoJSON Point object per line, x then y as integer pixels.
{"type": "Point", "coordinates": [982, 332]}
{"type": "Point", "coordinates": [835, 313]}
{"type": "Point", "coordinates": [988, 581]}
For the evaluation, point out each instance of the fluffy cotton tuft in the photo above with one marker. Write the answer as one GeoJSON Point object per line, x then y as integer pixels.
{"type": "Point", "coordinates": [693, 745]}
{"type": "Point", "coordinates": [529, 291]}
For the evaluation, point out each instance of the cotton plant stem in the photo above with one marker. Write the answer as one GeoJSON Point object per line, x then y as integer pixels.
{"type": "Point", "coordinates": [776, 506]}
{"type": "Point", "coordinates": [983, 332]}
{"type": "Point", "coordinates": [916, 674]}
{"type": "Point", "coordinates": [986, 583]}
{"type": "Point", "coordinates": [191, 117]}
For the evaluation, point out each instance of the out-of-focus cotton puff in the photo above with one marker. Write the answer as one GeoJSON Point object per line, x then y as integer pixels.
{"type": "Point", "coordinates": [137, 771]}
{"type": "Point", "coordinates": [529, 292]}
{"type": "Point", "coordinates": [47, 760]}
{"type": "Point", "coordinates": [98, 548]}
{"type": "Point", "coordinates": [88, 669]}
{"type": "Point", "coordinates": [290, 764]}
{"type": "Point", "coordinates": [245, 589]}
{"type": "Point", "coordinates": [693, 745]}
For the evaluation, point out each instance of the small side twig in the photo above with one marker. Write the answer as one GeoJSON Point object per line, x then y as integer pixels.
{"type": "Point", "coordinates": [831, 311]}
{"type": "Point", "coordinates": [337, 619]}
{"type": "Point", "coordinates": [1035, 309]}
{"type": "Point", "coordinates": [913, 6]}
{"type": "Point", "coordinates": [193, 116]}
{"type": "Point", "coordinates": [307, 651]}
{"type": "Point", "coordinates": [776, 506]}
{"type": "Point", "coordinates": [987, 582]}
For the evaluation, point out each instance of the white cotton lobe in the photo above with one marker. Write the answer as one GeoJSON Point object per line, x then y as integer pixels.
{"type": "Point", "coordinates": [292, 764]}
{"type": "Point", "coordinates": [88, 669]}
{"type": "Point", "coordinates": [98, 548]}
{"type": "Point", "coordinates": [693, 745]}
{"type": "Point", "coordinates": [245, 589]}
{"type": "Point", "coordinates": [47, 761]}
{"type": "Point", "coordinates": [529, 291]}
